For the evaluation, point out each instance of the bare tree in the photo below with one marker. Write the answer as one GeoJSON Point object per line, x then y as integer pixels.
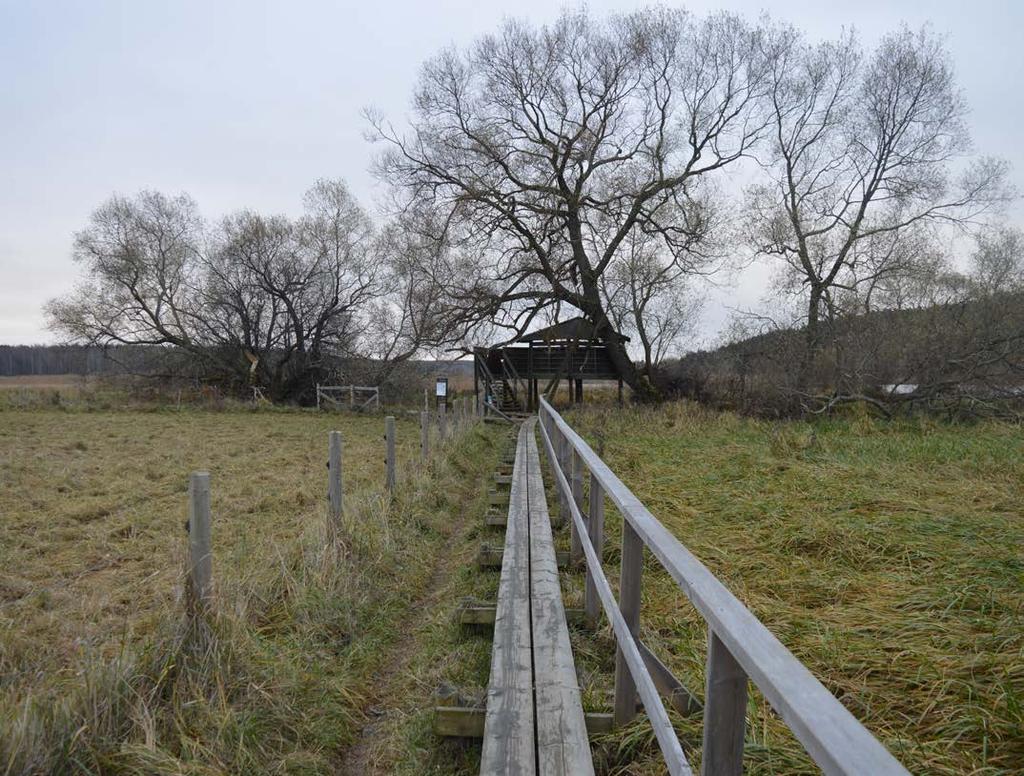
{"type": "Point", "coordinates": [997, 264]}
{"type": "Point", "coordinates": [539, 151]}
{"type": "Point", "coordinates": [262, 301]}
{"type": "Point", "coordinates": [861, 161]}
{"type": "Point", "coordinates": [649, 299]}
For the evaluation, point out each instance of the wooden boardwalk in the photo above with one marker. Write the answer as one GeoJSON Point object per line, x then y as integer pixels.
{"type": "Point", "coordinates": [534, 722]}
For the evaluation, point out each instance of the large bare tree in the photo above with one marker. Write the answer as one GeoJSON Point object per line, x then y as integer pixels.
{"type": "Point", "coordinates": [535, 154]}
{"type": "Point", "coordinates": [867, 152]}
{"type": "Point", "coordinates": [260, 300]}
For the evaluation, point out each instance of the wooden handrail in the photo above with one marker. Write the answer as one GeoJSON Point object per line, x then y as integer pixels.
{"type": "Point", "coordinates": [666, 735]}
{"type": "Point", "coordinates": [832, 736]}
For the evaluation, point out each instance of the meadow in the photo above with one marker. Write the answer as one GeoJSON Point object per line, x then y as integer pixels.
{"type": "Point", "coordinates": [99, 672]}
{"type": "Point", "coordinates": [886, 555]}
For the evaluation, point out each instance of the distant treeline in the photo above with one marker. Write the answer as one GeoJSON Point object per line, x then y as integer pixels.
{"type": "Point", "coordinates": [16, 360]}
{"type": "Point", "coordinates": [170, 363]}
{"type": "Point", "coordinates": [965, 358]}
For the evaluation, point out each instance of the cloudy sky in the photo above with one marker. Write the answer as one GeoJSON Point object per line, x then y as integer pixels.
{"type": "Point", "coordinates": [244, 104]}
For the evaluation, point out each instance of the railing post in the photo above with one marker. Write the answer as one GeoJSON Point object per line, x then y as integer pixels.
{"type": "Point", "coordinates": [352, 397]}
{"type": "Point", "coordinates": [725, 712]}
{"type": "Point", "coordinates": [576, 481]}
{"type": "Point", "coordinates": [200, 551]}
{"type": "Point", "coordinates": [389, 437]}
{"type": "Point", "coordinates": [442, 422]}
{"type": "Point", "coordinates": [334, 490]}
{"type": "Point", "coordinates": [563, 464]}
{"type": "Point", "coordinates": [425, 436]}
{"type": "Point", "coordinates": [629, 605]}
{"type": "Point", "coordinates": [595, 526]}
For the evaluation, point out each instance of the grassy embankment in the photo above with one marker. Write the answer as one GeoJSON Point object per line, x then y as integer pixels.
{"type": "Point", "coordinates": [98, 672]}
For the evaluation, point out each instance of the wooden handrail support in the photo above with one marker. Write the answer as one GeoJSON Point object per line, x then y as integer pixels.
{"type": "Point", "coordinates": [740, 646]}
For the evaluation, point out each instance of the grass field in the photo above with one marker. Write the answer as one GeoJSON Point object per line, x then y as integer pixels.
{"type": "Point", "coordinates": [888, 557]}
{"type": "Point", "coordinates": [96, 673]}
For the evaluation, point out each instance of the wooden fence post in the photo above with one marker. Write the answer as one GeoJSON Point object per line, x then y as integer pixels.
{"type": "Point", "coordinates": [389, 437]}
{"type": "Point", "coordinates": [442, 423]}
{"type": "Point", "coordinates": [629, 605]}
{"type": "Point", "coordinates": [725, 712]}
{"type": "Point", "coordinates": [334, 490]}
{"type": "Point", "coordinates": [425, 436]}
{"type": "Point", "coordinates": [200, 558]}
{"type": "Point", "coordinates": [352, 397]}
{"type": "Point", "coordinates": [317, 396]}
{"type": "Point", "coordinates": [595, 526]}
{"type": "Point", "coordinates": [576, 481]}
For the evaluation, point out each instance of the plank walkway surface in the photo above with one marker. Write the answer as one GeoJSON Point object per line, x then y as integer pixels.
{"type": "Point", "coordinates": [534, 722]}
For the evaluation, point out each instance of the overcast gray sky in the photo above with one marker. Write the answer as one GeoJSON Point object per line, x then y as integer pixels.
{"type": "Point", "coordinates": [245, 104]}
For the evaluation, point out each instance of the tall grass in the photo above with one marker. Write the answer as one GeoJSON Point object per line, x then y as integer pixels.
{"type": "Point", "coordinates": [275, 680]}
{"type": "Point", "coordinates": [889, 557]}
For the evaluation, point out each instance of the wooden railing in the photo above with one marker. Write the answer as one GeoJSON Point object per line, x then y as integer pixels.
{"type": "Point", "coordinates": [740, 647]}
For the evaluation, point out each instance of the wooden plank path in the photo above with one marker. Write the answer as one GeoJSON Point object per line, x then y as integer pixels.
{"type": "Point", "coordinates": [509, 740]}
{"type": "Point", "coordinates": [534, 722]}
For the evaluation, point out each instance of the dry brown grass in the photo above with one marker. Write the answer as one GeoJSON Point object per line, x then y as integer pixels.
{"type": "Point", "coordinates": [97, 673]}
{"type": "Point", "coordinates": [888, 557]}
{"type": "Point", "coordinates": [93, 508]}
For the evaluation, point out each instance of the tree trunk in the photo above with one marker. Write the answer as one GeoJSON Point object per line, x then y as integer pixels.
{"type": "Point", "coordinates": [812, 340]}
{"type": "Point", "coordinates": [643, 389]}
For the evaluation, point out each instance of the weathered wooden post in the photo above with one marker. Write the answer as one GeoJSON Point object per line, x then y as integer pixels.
{"type": "Point", "coordinates": [725, 711]}
{"type": "Point", "coordinates": [352, 397]}
{"type": "Point", "coordinates": [595, 526]}
{"type": "Point", "coordinates": [200, 550]}
{"type": "Point", "coordinates": [576, 481]}
{"type": "Point", "coordinates": [442, 422]}
{"type": "Point", "coordinates": [334, 490]}
{"type": "Point", "coordinates": [425, 436]}
{"type": "Point", "coordinates": [389, 437]}
{"type": "Point", "coordinates": [629, 605]}
{"type": "Point", "coordinates": [317, 396]}
{"type": "Point", "coordinates": [562, 450]}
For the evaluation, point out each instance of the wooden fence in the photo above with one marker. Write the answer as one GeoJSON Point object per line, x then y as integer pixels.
{"type": "Point", "coordinates": [443, 426]}
{"type": "Point", "coordinates": [354, 397]}
{"type": "Point", "coordinates": [740, 647]}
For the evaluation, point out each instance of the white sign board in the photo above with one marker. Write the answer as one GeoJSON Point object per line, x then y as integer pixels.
{"type": "Point", "coordinates": [442, 387]}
